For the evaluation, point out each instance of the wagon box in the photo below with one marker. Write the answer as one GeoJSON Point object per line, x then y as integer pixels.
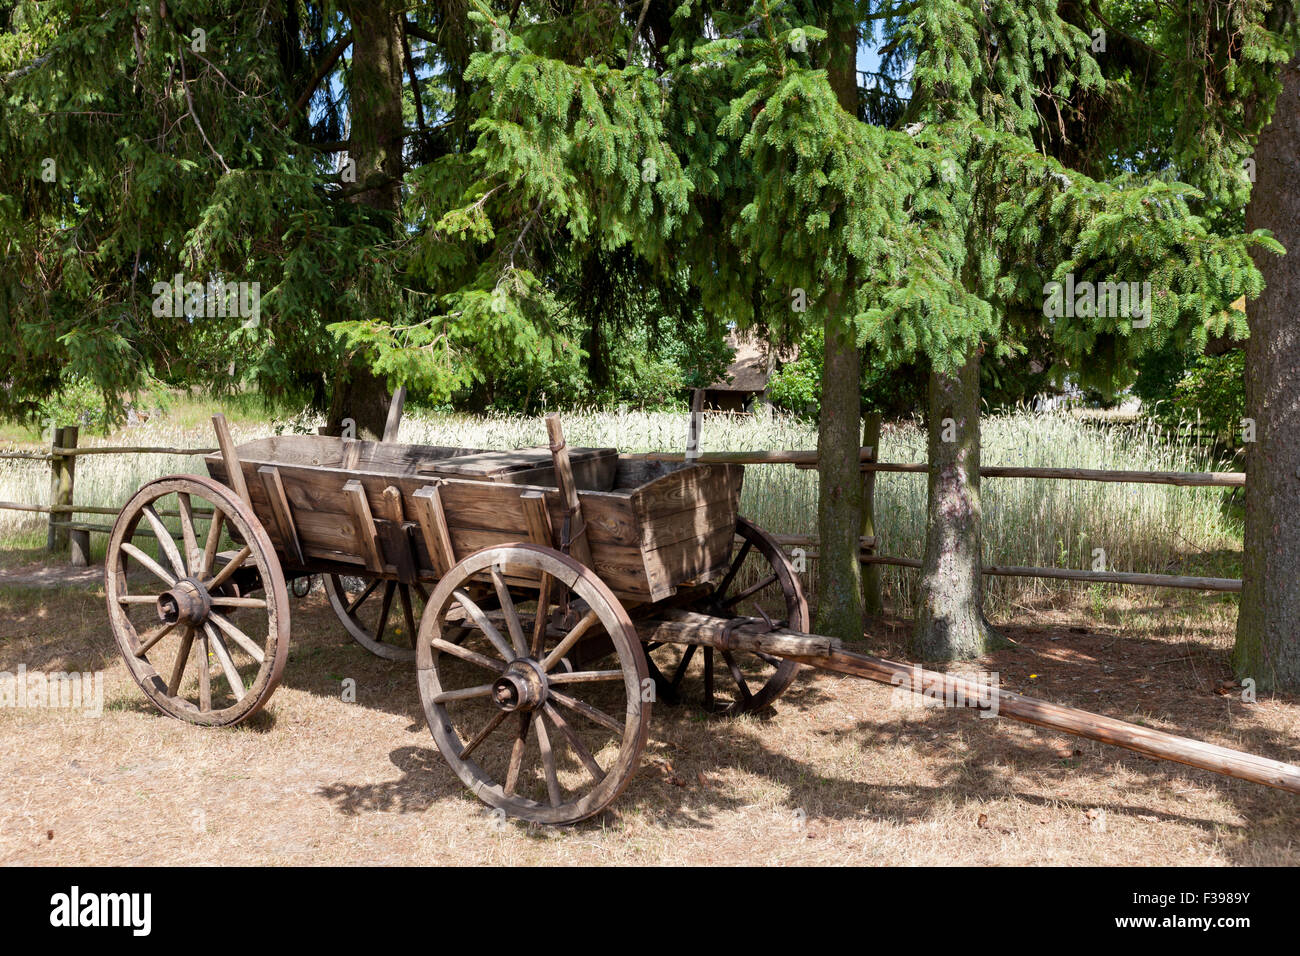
{"type": "Point", "coordinates": [650, 527]}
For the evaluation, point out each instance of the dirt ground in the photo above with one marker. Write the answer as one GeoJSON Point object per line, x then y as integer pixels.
{"type": "Point", "coordinates": [838, 773]}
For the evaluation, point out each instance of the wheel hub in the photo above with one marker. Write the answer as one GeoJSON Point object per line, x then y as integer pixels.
{"type": "Point", "coordinates": [186, 603]}
{"type": "Point", "coordinates": [521, 687]}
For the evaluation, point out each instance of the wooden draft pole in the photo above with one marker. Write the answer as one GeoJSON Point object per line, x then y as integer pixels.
{"type": "Point", "coordinates": [826, 653]}
{"type": "Point", "coordinates": [576, 528]}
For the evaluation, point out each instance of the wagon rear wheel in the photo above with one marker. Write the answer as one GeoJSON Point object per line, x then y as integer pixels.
{"type": "Point", "coordinates": [761, 583]}
{"type": "Point", "coordinates": [526, 728]}
{"type": "Point", "coordinates": [382, 616]}
{"type": "Point", "coordinates": [184, 559]}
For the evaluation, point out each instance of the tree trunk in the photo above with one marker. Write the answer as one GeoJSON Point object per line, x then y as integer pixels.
{"type": "Point", "coordinates": [1268, 623]}
{"type": "Point", "coordinates": [839, 504]}
{"type": "Point", "coordinates": [376, 133]}
{"type": "Point", "coordinates": [950, 621]}
{"type": "Point", "coordinates": [872, 603]}
{"type": "Point", "coordinates": [839, 479]}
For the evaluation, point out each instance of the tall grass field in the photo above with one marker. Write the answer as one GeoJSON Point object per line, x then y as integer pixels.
{"type": "Point", "coordinates": [1047, 523]}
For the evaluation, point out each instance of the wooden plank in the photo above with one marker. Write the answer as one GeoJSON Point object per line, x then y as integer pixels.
{"type": "Point", "coordinates": [351, 454]}
{"type": "Point", "coordinates": [537, 518]}
{"type": "Point", "coordinates": [1120, 577]}
{"type": "Point", "coordinates": [579, 547]}
{"type": "Point", "coordinates": [1231, 585]}
{"type": "Point", "coordinates": [279, 502]}
{"type": "Point", "coordinates": [433, 527]}
{"type": "Point", "coordinates": [397, 548]}
{"type": "Point", "coordinates": [777, 457]}
{"type": "Point", "coordinates": [1183, 479]}
{"type": "Point", "coordinates": [366, 529]}
{"type": "Point", "coordinates": [234, 472]}
{"type": "Point", "coordinates": [395, 414]}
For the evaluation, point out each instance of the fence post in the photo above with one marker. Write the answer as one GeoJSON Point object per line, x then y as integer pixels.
{"type": "Point", "coordinates": [62, 470]}
{"type": "Point", "coordinates": [872, 601]}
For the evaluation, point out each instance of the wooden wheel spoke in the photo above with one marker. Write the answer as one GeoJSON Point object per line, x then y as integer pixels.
{"type": "Point", "coordinates": [191, 542]}
{"type": "Point", "coordinates": [576, 745]}
{"type": "Point", "coordinates": [222, 600]}
{"type": "Point", "coordinates": [591, 713]}
{"type": "Point", "coordinates": [182, 658]}
{"type": "Point", "coordinates": [465, 693]}
{"type": "Point", "coordinates": [231, 567]}
{"type": "Point", "coordinates": [751, 590]}
{"type": "Point", "coordinates": [737, 676]}
{"type": "Point", "coordinates": [734, 569]}
{"type": "Point", "coordinates": [369, 590]}
{"type": "Point", "coordinates": [570, 639]}
{"type": "Point", "coordinates": [205, 672]}
{"type": "Point", "coordinates": [542, 615]}
{"type": "Point", "coordinates": [239, 637]}
{"type": "Point", "coordinates": [581, 677]}
{"type": "Point", "coordinates": [517, 755]}
{"type": "Point", "coordinates": [515, 628]}
{"type": "Point", "coordinates": [682, 665]}
{"type": "Point", "coordinates": [222, 654]}
{"type": "Point", "coordinates": [408, 615]}
{"type": "Point", "coordinates": [483, 734]}
{"type": "Point", "coordinates": [153, 637]}
{"type": "Point", "coordinates": [213, 543]}
{"type": "Point", "coordinates": [165, 542]}
{"type": "Point", "coordinates": [465, 654]}
{"type": "Point", "coordinates": [149, 563]}
{"type": "Point", "coordinates": [384, 608]}
{"type": "Point", "coordinates": [484, 624]}
{"type": "Point", "coordinates": [548, 760]}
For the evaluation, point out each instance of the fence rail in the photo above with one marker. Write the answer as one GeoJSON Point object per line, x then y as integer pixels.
{"type": "Point", "coordinates": [63, 530]}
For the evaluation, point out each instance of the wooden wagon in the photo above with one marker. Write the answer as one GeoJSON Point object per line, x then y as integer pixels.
{"type": "Point", "coordinates": [547, 596]}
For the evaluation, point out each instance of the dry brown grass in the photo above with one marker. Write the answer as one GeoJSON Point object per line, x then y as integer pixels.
{"type": "Point", "coordinates": [835, 775]}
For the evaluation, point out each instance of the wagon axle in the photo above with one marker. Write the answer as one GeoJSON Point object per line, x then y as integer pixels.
{"type": "Point", "coordinates": [188, 603]}
{"type": "Point", "coordinates": [522, 687]}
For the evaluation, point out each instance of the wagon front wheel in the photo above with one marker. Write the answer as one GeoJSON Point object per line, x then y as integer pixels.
{"type": "Point", "coordinates": [185, 561]}
{"type": "Point", "coordinates": [527, 725]}
{"type": "Point", "coordinates": [382, 616]}
{"type": "Point", "coordinates": [761, 582]}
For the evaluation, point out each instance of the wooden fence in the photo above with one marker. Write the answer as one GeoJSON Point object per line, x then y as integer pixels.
{"type": "Point", "coordinates": [64, 533]}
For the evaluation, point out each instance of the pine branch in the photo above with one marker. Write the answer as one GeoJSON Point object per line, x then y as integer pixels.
{"type": "Point", "coordinates": [189, 100]}
{"type": "Point", "coordinates": [22, 71]}
{"type": "Point", "coordinates": [327, 64]}
{"type": "Point", "coordinates": [415, 83]}
{"type": "Point", "coordinates": [419, 32]}
{"type": "Point", "coordinates": [640, 22]}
